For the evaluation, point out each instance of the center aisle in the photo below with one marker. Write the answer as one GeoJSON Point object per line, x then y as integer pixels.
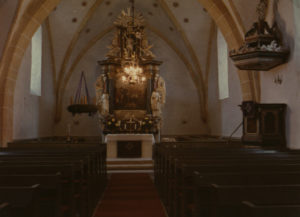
{"type": "Point", "coordinates": [130, 195]}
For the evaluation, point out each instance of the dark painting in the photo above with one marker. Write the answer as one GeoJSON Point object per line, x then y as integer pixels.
{"type": "Point", "coordinates": [130, 96]}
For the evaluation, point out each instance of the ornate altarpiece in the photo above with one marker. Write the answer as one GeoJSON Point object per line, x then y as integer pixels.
{"type": "Point", "coordinates": [130, 92]}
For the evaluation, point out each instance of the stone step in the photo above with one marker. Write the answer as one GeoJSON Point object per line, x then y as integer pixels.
{"type": "Point", "coordinates": [130, 167]}
{"type": "Point", "coordinates": [135, 162]}
{"type": "Point", "coordinates": [127, 165]}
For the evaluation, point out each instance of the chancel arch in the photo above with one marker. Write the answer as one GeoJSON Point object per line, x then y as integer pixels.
{"type": "Point", "coordinates": [17, 42]}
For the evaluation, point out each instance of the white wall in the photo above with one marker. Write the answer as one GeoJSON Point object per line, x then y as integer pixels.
{"type": "Point", "coordinates": [181, 114]}
{"type": "Point", "coordinates": [224, 115]}
{"type": "Point", "coordinates": [33, 115]}
{"type": "Point", "coordinates": [288, 91]}
{"type": "Point", "coordinates": [7, 12]}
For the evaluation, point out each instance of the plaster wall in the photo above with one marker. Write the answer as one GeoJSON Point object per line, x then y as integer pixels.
{"type": "Point", "coordinates": [288, 91]}
{"type": "Point", "coordinates": [7, 12]}
{"type": "Point", "coordinates": [224, 115]}
{"type": "Point", "coordinates": [33, 115]}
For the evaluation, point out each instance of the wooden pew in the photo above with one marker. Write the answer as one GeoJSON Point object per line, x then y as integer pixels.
{"type": "Point", "coordinates": [182, 183]}
{"type": "Point", "coordinates": [50, 190]}
{"type": "Point", "coordinates": [24, 200]}
{"type": "Point", "coordinates": [91, 175]}
{"type": "Point", "coordinates": [166, 176]}
{"type": "Point", "coordinates": [250, 209]}
{"type": "Point", "coordinates": [68, 179]}
{"type": "Point", "coordinates": [94, 164]}
{"type": "Point", "coordinates": [5, 209]}
{"type": "Point", "coordinates": [226, 201]}
{"type": "Point", "coordinates": [202, 191]}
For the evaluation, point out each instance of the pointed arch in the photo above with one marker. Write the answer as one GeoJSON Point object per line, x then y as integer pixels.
{"type": "Point", "coordinates": [18, 40]}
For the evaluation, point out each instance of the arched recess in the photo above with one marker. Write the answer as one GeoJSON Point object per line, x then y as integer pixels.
{"type": "Point", "coordinates": [19, 39]}
{"type": "Point", "coordinates": [38, 10]}
{"type": "Point", "coordinates": [98, 37]}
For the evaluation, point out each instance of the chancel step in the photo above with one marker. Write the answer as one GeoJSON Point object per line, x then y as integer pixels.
{"type": "Point", "coordinates": [129, 165]}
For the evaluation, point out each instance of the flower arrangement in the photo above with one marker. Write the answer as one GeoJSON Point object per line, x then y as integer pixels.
{"type": "Point", "coordinates": [112, 125]}
{"type": "Point", "coordinates": [147, 124]}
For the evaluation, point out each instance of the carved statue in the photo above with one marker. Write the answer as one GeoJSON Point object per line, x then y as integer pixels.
{"type": "Point", "coordinates": [156, 105]}
{"type": "Point", "coordinates": [262, 27]}
{"type": "Point", "coordinates": [100, 86]}
{"type": "Point", "coordinates": [158, 97]}
{"type": "Point", "coordinates": [146, 48]}
{"type": "Point", "coordinates": [102, 98]}
{"type": "Point", "coordinates": [104, 105]}
{"type": "Point", "coordinates": [273, 46]}
{"type": "Point", "coordinates": [114, 48]}
{"type": "Point", "coordinates": [131, 40]}
{"type": "Point", "coordinates": [129, 47]}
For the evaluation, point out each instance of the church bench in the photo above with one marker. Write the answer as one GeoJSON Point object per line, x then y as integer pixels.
{"type": "Point", "coordinates": [183, 178]}
{"type": "Point", "coordinates": [225, 201]}
{"type": "Point", "coordinates": [182, 181]}
{"type": "Point", "coordinates": [85, 194]}
{"type": "Point", "coordinates": [93, 179]}
{"type": "Point", "coordinates": [96, 156]}
{"type": "Point", "coordinates": [183, 172]}
{"type": "Point", "coordinates": [203, 182]}
{"type": "Point", "coordinates": [50, 190]}
{"type": "Point", "coordinates": [250, 209]}
{"type": "Point", "coordinates": [174, 166]}
{"type": "Point", "coordinates": [162, 162]}
{"type": "Point", "coordinates": [171, 161]}
{"type": "Point", "coordinates": [95, 171]}
{"type": "Point", "coordinates": [69, 194]}
{"type": "Point", "coordinates": [24, 200]}
{"type": "Point", "coordinates": [5, 209]}
{"type": "Point", "coordinates": [79, 182]}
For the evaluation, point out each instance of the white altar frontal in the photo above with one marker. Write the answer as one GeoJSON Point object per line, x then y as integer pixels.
{"type": "Point", "coordinates": [147, 141]}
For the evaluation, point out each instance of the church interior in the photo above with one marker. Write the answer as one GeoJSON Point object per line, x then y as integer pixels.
{"type": "Point", "coordinates": [155, 108]}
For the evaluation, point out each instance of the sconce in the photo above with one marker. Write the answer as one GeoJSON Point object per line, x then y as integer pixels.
{"type": "Point", "coordinates": [278, 79]}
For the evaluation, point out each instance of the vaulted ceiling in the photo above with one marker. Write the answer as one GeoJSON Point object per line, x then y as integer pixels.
{"type": "Point", "coordinates": [75, 26]}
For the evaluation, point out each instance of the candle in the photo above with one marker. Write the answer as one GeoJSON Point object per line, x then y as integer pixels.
{"type": "Point", "coordinates": [85, 100]}
{"type": "Point", "coordinates": [69, 129]}
{"type": "Point", "coordinates": [71, 100]}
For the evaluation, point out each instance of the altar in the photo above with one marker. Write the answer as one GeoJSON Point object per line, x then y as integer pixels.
{"type": "Point", "coordinates": [130, 92]}
{"type": "Point", "coordinates": [115, 142]}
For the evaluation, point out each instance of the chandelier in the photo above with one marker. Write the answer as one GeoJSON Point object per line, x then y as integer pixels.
{"type": "Point", "coordinates": [133, 74]}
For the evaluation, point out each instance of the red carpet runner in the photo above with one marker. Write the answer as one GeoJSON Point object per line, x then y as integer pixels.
{"type": "Point", "coordinates": [130, 195]}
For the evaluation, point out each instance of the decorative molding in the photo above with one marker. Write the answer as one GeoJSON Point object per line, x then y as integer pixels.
{"type": "Point", "coordinates": [70, 48]}
{"type": "Point", "coordinates": [18, 40]}
{"type": "Point", "coordinates": [74, 41]}
{"type": "Point", "coordinates": [53, 62]}
{"type": "Point", "coordinates": [211, 38]}
{"type": "Point", "coordinates": [237, 17]}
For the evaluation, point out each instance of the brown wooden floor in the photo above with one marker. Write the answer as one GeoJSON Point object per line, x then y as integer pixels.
{"type": "Point", "coordinates": [130, 195]}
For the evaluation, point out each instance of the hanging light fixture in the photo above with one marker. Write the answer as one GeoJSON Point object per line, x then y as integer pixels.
{"type": "Point", "coordinates": [82, 103]}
